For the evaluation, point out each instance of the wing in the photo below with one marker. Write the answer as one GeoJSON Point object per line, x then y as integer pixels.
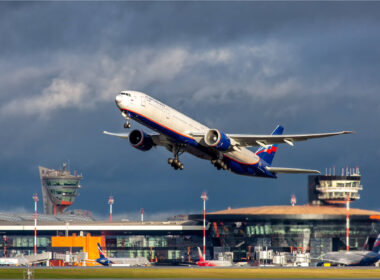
{"type": "Point", "coordinates": [247, 140]}
{"type": "Point", "coordinates": [158, 139]}
{"type": "Point", "coordinates": [290, 170]}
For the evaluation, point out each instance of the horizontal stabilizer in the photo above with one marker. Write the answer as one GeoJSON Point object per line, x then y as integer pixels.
{"type": "Point", "coordinates": [291, 170]}
{"type": "Point", "coordinates": [121, 135]}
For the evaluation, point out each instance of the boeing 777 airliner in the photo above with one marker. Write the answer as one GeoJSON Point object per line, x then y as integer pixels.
{"type": "Point", "coordinates": [179, 133]}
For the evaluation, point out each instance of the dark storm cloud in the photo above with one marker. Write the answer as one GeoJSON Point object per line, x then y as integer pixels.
{"type": "Point", "coordinates": [242, 67]}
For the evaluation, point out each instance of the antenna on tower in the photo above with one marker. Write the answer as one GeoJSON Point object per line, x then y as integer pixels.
{"type": "Point", "coordinates": [293, 200]}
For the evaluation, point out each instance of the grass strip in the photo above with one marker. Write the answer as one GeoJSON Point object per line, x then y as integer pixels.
{"type": "Point", "coordinates": [212, 273]}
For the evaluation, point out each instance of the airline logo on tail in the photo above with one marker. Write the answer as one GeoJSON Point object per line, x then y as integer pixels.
{"type": "Point", "coordinates": [267, 153]}
{"type": "Point", "coordinates": [102, 258]}
{"type": "Point", "coordinates": [376, 245]}
{"type": "Point", "coordinates": [202, 261]}
{"type": "Point", "coordinates": [200, 255]}
{"type": "Point", "coordinates": [101, 254]}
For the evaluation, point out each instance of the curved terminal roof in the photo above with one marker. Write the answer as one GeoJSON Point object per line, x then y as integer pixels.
{"type": "Point", "coordinates": [296, 210]}
{"type": "Point", "coordinates": [303, 212]}
{"type": "Point", "coordinates": [29, 217]}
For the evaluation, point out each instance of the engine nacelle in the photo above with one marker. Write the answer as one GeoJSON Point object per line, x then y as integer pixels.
{"type": "Point", "coordinates": [217, 139]}
{"type": "Point", "coordinates": [140, 140]}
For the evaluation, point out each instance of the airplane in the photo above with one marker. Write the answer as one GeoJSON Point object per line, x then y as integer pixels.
{"type": "Point", "coordinates": [26, 260]}
{"type": "Point", "coordinates": [103, 260]}
{"type": "Point", "coordinates": [203, 262]}
{"type": "Point", "coordinates": [353, 258]}
{"type": "Point", "coordinates": [19, 261]}
{"type": "Point", "coordinates": [179, 133]}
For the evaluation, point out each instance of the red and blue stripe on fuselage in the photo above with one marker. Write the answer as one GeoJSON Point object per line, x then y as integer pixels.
{"type": "Point", "coordinates": [256, 169]}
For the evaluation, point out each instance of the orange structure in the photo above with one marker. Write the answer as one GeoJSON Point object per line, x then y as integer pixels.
{"type": "Point", "coordinates": [88, 244]}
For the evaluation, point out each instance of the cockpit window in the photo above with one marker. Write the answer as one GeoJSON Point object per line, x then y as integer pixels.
{"type": "Point", "coordinates": [125, 93]}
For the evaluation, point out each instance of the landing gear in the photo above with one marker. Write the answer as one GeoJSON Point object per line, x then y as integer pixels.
{"type": "Point", "coordinates": [219, 164]}
{"type": "Point", "coordinates": [174, 162]}
{"type": "Point", "coordinates": [126, 117]}
{"type": "Point", "coordinates": [127, 124]}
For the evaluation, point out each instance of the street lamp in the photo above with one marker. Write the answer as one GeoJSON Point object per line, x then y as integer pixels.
{"type": "Point", "coordinates": [110, 202]}
{"type": "Point", "coordinates": [35, 198]}
{"type": "Point", "coordinates": [204, 197]}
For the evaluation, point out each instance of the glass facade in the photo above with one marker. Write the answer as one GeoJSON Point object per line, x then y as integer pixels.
{"type": "Point", "coordinates": [240, 235]}
{"type": "Point", "coordinates": [288, 235]}
{"type": "Point", "coordinates": [18, 245]}
{"type": "Point", "coordinates": [163, 247]}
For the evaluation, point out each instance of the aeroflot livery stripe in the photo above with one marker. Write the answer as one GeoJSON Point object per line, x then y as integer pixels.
{"type": "Point", "coordinates": [273, 149]}
{"type": "Point", "coordinates": [241, 162]}
{"type": "Point", "coordinates": [183, 135]}
{"type": "Point", "coordinates": [158, 123]}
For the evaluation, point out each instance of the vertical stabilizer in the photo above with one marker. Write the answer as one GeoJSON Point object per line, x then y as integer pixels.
{"type": "Point", "coordinates": [267, 153]}
{"type": "Point", "coordinates": [101, 254]}
{"type": "Point", "coordinates": [376, 245]}
{"type": "Point", "coordinates": [200, 255]}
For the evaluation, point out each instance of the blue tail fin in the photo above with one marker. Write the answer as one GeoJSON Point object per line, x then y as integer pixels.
{"type": "Point", "coordinates": [376, 245]}
{"type": "Point", "coordinates": [101, 254]}
{"type": "Point", "coordinates": [267, 154]}
{"type": "Point", "coordinates": [102, 258]}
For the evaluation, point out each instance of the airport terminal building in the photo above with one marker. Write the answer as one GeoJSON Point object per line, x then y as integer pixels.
{"type": "Point", "coordinates": [315, 228]}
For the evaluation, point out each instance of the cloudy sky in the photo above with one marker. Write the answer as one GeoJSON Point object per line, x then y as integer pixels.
{"type": "Point", "coordinates": [241, 67]}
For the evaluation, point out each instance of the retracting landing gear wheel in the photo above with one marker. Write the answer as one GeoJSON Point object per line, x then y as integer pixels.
{"type": "Point", "coordinates": [127, 125]}
{"type": "Point", "coordinates": [176, 164]}
{"type": "Point", "coordinates": [219, 164]}
{"type": "Point", "coordinates": [177, 150]}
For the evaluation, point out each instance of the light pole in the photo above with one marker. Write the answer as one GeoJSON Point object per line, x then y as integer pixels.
{"type": "Point", "coordinates": [204, 197]}
{"type": "Point", "coordinates": [348, 223]}
{"type": "Point", "coordinates": [35, 198]}
{"type": "Point", "coordinates": [110, 202]}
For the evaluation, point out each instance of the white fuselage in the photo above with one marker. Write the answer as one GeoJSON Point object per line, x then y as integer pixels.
{"type": "Point", "coordinates": [166, 120]}
{"type": "Point", "coordinates": [139, 261]}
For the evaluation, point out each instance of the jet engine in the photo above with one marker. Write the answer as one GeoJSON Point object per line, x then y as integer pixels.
{"type": "Point", "coordinates": [217, 139]}
{"type": "Point", "coordinates": [140, 140]}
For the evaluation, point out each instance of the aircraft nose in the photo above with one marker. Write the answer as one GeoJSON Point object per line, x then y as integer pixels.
{"type": "Point", "coordinates": [118, 99]}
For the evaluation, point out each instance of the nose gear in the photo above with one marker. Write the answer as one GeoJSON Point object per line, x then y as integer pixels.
{"type": "Point", "coordinates": [125, 115]}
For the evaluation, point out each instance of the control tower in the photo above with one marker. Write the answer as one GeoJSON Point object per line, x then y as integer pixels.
{"type": "Point", "coordinates": [331, 189]}
{"type": "Point", "coordinates": [59, 189]}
